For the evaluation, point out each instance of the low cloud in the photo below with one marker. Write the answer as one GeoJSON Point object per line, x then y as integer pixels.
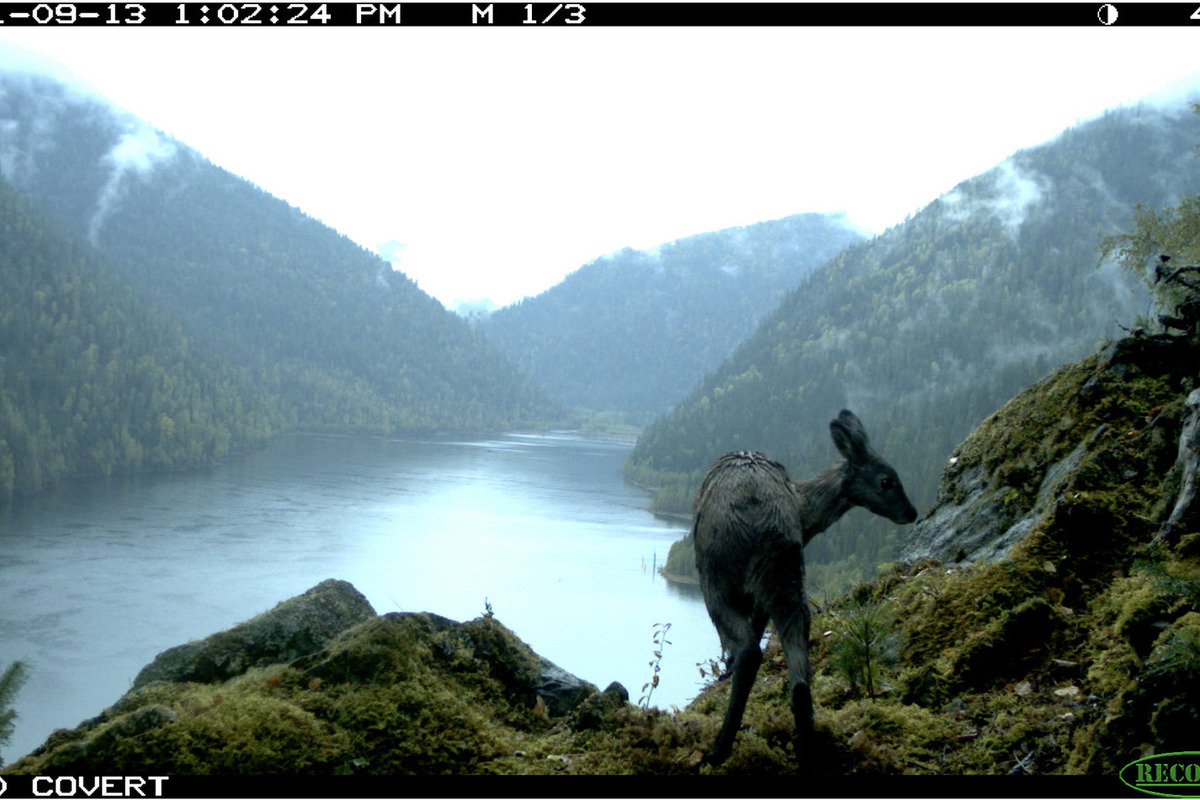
{"type": "Point", "coordinates": [1175, 97]}
{"type": "Point", "coordinates": [1009, 198]}
{"type": "Point", "coordinates": [137, 153]}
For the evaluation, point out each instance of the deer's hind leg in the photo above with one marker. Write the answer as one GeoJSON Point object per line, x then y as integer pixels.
{"type": "Point", "coordinates": [740, 635]}
{"type": "Point", "coordinates": [792, 618]}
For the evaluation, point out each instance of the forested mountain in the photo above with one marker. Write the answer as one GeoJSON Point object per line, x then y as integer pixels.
{"type": "Point", "coordinates": [305, 327]}
{"type": "Point", "coordinates": [928, 328]}
{"type": "Point", "coordinates": [635, 330]}
{"type": "Point", "coordinates": [337, 338]}
{"type": "Point", "coordinates": [91, 380]}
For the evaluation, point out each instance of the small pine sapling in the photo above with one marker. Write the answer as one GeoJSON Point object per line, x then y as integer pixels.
{"type": "Point", "coordinates": [865, 642]}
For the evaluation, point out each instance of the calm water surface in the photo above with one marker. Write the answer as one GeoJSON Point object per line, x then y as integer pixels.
{"type": "Point", "coordinates": [97, 577]}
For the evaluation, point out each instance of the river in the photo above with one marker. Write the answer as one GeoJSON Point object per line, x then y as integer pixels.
{"type": "Point", "coordinates": [98, 576]}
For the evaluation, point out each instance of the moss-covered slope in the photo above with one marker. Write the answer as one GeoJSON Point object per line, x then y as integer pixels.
{"type": "Point", "coordinates": [1073, 647]}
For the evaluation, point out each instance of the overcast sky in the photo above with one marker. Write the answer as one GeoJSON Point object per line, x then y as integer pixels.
{"type": "Point", "coordinates": [505, 158]}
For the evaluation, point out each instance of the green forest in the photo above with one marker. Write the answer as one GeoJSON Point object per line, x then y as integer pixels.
{"type": "Point", "coordinates": [159, 312]}
{"type": "Point", "coordinates": [94, 382]}
{"type": "Point", "coordinates": [927, 329]}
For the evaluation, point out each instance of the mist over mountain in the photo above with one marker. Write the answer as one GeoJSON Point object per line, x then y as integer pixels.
{"type": "Point", "coordinates": [475, 309]}
{"type": "Point", "coordinates": [931, 326]}
{"type": "Point", "coordinates": [635, 330]}
{"type": "Point", "coordinates": [309, 330]}
{"type": "Point", "coordinates": [350, 342]}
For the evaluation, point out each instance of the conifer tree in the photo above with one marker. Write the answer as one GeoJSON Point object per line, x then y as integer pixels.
{"type": "Point", "coordinates": [10, 683]}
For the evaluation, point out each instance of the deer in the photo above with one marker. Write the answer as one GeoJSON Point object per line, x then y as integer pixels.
{"type": "Point", "coordinates": [750, 524]}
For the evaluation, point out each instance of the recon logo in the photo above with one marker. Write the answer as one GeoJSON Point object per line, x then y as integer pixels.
{"type": "Point", "coordinates": [1165, 774]}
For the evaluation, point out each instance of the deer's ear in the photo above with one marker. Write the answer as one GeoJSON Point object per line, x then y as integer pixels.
{"type": "Point", "coordinates": [849, 436]}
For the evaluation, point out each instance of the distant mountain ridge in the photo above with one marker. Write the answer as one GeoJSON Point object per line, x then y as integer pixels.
{"type": "Point", "coordinates": [931, 326]}
{"type": "Point", "coordinates": [635, 330]}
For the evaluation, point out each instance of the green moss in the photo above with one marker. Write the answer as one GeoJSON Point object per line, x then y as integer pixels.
{"type": "Point", "coordinates": [1171, 684]}
{"type": "Point", "coordinates": [879, 737]}
{"type": "Point", "coordinates": [949, 606]}
{"type": "Point", "coordinates": [399, 694]}
{"type": "Point", "coordinates": [1006, 647]}
{"type": "Point", "coordinates": [245, 727]}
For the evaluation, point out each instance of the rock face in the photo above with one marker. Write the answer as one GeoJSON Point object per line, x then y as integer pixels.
{"type": "Point", "coordinates": [560, 690]}
{"type": "Point", "coordinates": [1188, 465]}
{"type": "Point", "coordinates": [1049, 444]}
{"type": "Point", "coordinates": [294, 628]}
{"type": "Point", "coordinates": [973, 522]}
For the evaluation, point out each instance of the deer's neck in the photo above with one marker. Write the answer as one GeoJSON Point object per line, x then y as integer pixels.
{"type": "Point", "coordinates": [822, 500]}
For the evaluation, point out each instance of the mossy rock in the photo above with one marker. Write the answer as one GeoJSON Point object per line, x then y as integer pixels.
{"type": "Point", "coordinates": [1103, 428]}
{"type": "Point", "coordinates": [294, 628]}
{"type": "Point", "coordinates": [890, 738]}
{"type": "Point", "coordinates": [399, 693]}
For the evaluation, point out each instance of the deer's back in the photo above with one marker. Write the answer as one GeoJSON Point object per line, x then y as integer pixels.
{"type": "Point", "coordinates": [745, 502]}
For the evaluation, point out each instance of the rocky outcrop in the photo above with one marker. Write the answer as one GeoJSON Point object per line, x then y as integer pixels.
{"type": "Point", "coordinates": [321, 683]}
{"type": "Point", "coordinates": [294, 628]}
{"type": "Point", "coordinates": [974, 521]}
{"type": "Point", "coordinates": [525, 676]}
{"type": "Point", "coordinates": [1009, 477]}
{"type": "Point", "coordinates": [299, 629]}
{"type": "Point", "coordinates": [1188, 465]}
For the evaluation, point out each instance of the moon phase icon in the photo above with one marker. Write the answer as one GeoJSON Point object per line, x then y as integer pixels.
{"type": "Point", "coordinates": [1107, 14]}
